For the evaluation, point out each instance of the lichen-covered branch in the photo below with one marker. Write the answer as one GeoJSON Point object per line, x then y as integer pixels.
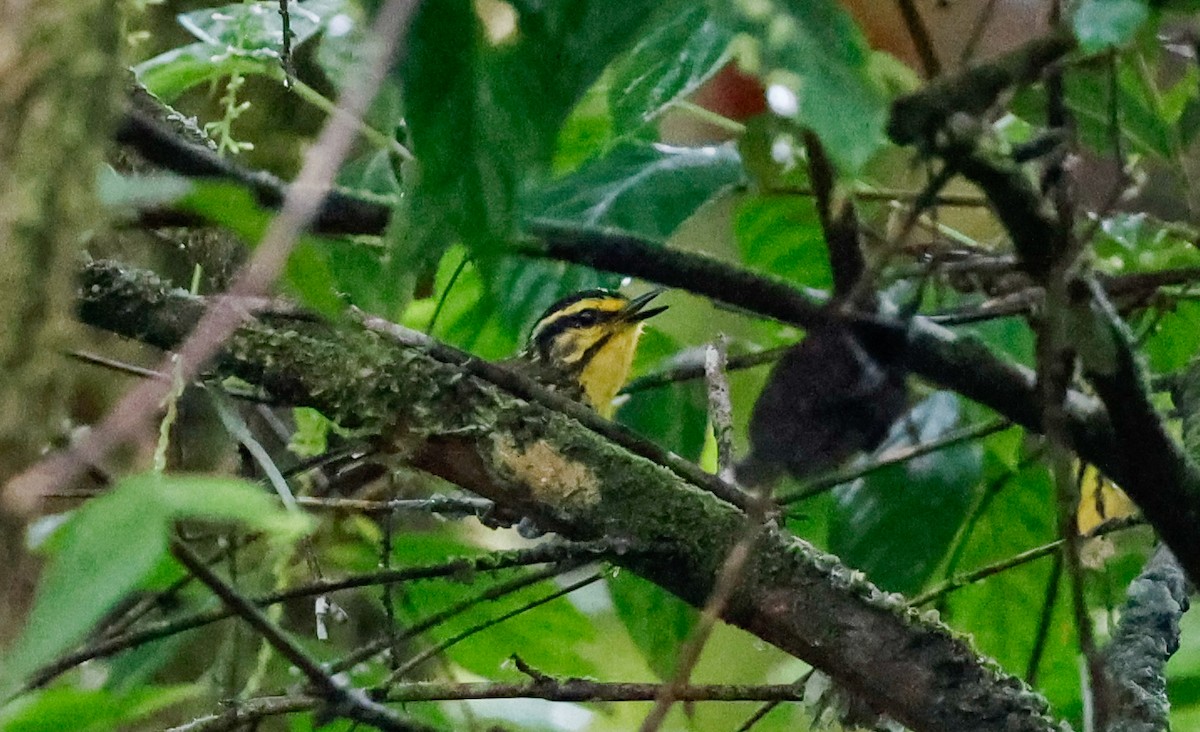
{"type": "Point", "coordinates": [569, 479]}
{"type": "Point", "coordinates": [1146, 637]}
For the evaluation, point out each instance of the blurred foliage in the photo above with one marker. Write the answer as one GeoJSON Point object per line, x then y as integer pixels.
{"type": "Point", "coordinates": [505, 113]}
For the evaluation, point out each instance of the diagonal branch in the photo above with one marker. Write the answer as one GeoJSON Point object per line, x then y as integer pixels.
{"type": "Point", "coordinates": [568, 479]}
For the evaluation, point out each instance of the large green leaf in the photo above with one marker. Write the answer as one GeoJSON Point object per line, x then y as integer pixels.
{"type": "Point", "coordinates": [657, 621]}
{"type": "Point", "coordinates": [898, 522]}
{"type": "Point", "coordinates": [484, 116]}
{"type": "Point", "coordinates": [115, 541]}
{"type": "Point", "coordinates": [643, 188]}
{"type": "Point", "coordinates": [98, 710]}
{"type": "Point", "coordinates": [782, 235]}
{"type": "Point", "coordinates": [1143, 126]}
{"type": "Point", "coordinates": [815, 63]}
{"type": "Point", "coordinates": [239, 38]}
{"type": "Point", "coordinates": [1004, 611]}
{"type": "Point", "coordinates": [674, 416]}
{"type": "Point", "coordinates": [536, 635]}
{"type": "Point", "coordinates": [669, 62]}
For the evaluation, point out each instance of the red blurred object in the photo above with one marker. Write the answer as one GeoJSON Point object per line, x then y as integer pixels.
{"type": "Point", "coordinates": [733, 94]}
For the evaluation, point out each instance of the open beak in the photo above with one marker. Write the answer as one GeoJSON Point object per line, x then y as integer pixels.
{"type": "Point", "coordinates": [636, 310]}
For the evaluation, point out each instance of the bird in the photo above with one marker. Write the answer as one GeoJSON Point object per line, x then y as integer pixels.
{"type": "Point", "coordinates": [826, 399]}
{"type": "Point", "coordinates": [583, 345]}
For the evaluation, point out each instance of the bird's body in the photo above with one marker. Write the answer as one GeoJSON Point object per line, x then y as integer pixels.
{"type": "Point", "coordinates": [583, 345]}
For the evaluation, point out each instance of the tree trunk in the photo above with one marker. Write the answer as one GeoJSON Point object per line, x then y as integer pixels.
{"type": "Point", "coordinates": [59, 75]}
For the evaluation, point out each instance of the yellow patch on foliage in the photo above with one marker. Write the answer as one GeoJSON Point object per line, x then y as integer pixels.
{"type": "Point", "coordinates": [1100, 501]}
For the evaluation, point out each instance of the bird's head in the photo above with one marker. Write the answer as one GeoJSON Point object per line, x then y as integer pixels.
{"type": "Point", "coordinates": [592, 335]}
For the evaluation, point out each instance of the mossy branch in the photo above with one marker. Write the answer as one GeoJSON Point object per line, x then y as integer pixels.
{"type": "Point", "coordinates": [569, 479]}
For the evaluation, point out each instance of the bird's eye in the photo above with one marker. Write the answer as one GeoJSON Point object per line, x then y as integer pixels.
{"type": "Point", "coordinates": [587, 317]}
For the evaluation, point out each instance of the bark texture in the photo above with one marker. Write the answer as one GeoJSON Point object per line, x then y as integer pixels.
{"type": "Point", "coordinates": [59, 77]}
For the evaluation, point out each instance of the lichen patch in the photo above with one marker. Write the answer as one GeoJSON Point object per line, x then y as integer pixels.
{"type": "Point", "coordinates": [550, 476]}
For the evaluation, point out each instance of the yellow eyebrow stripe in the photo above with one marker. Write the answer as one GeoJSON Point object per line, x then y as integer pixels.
{"type": "Point", "coordinates": [606, 304]}
{"type": "Point", "coordinates": [603, 304]}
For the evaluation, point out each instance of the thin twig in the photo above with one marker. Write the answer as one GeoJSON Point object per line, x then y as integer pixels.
{"type": "Point", "coordinates": [720, 408]}
{"type": "Point", "coordinates": [113, 364]}
{"type": "Point", "coordinates": [541, 554]}
{"type": "Point", "coordinates": [720, 413]}
{"type": "Point", "coordinates": [959, 581]}
{"type": "Point", "coordinates": [766, 709]}
{"type": "Point", "coordinates": [691, 371]}
{"type": "Point", "coordinates": [495, 592]}
{"type": "Point", "coordinates": [341, 699]}
{"type": "Point", "coordinates": [545, 688]}
{"type": "Point", "coordinates": [977, 32]}
{"type": "Point", "coordinates": [1050, 598]}
{"type": "Point", "coordinates": [919, 34]}
{"type": "Point", "coordinates": [821, 484]}
{"type": "Point", "coordinates": [1056, 362]}
{"type": "Point", "coordinates": [888, 195]}
{"type": "Point", "coordinates": [689, 654]}
{"type": "Point", "coordinates": [400, 671]}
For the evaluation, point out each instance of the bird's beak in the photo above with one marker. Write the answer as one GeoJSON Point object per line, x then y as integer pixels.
{"type": "Point", "coordinates": [634, 311]}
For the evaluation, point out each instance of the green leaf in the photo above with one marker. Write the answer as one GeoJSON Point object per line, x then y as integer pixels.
{"type": "Point", "coordinates": [484, 116]}
{"type": "Point", "coordinates": [536, 635]}
{"type": "Point", "coordinates": [783, 235]}
{"type": "Point", "coordinates": [674, 416]}
{"type": "Point", "coordinates": [308, 272]}
{"type": "Point", "coordinates": [311, 437]}
{"type": "Point", "coordinates": [52, 710]}
{"type": "Point", "coordinates": [1010, 336]}
{"type": "Point", "coordinates": [1137, 243]}
{"type": "Point", "coordinates": [669, 62]}
{"type": "Point", "coordinates": [522, 289]}
{"type": "Point", "coordinates": [372, 173]}
{"type": "Point", "coordinates": [111, 544]}
{"type": "Point", "coordinates": [1101, 24]}
{"type": "Point", "coordinates": [1003, 612]}
{"type": "Point", "coordinates": [815, 64]}
{"type": "Point", "coordinates": [897, 523]}
{"type": "Point", "coordinates": [657, 621]}
{"type": "Point", "coordinates": [1175, 338]}
{"type": "Point", "coordinates": [257, 26]}
{"type": "Point", "coordinates": [214, 498]}
{"type": "Point", "coordinates": [241, 38]}
{"type": "Point", "coordinates": [587, 131]}
{"type": "Point", "coordinates": [170, 74]}
{"type": "Point", "coordinates": [640, 187]}
{"type": "Point", "coordinates": [137, 667]}
{"type": "Point", "coordinates": [646, 189]}
{"type": "Point", "coordinates": [126, 193]}
{"type": "Point", "coordinates": [1142, 124]}
{"type": "Point", "coordinates": [471, 317]}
